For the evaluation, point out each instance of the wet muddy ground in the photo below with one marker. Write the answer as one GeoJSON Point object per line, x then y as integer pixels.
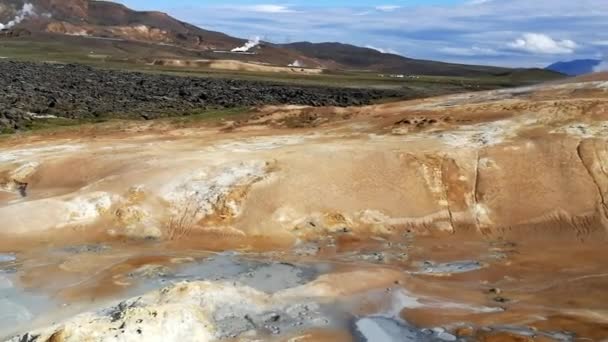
{"type": "Point", "coordinates": [472, 227]}
{"type": "Point", "coordinates": [435, 290]}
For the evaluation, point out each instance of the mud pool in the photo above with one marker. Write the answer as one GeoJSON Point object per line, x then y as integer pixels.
{"type": "Point", "coordinates": [383, 294]}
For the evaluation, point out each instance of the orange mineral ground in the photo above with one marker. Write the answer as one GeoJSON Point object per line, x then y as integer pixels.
{"type": "Point", "coordinates": [470, 217]}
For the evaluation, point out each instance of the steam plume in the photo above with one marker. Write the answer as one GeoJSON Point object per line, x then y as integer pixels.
{"type": "Point", "coordinates": [248, 46]}
{"type": "Point", "coordinates": [603, 66]}
{"type": "Point", "coordinates": [27, 10]}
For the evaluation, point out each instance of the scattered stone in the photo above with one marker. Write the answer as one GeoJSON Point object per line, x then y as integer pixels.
{"type": "Point", "coordinates": [500, 299]}
{"type": "Point", "coordinates": [495, 291]}
{"type": "Point", "coordinates": [438, 330]}
{"type": "Point", "coordinates": [445, 336]}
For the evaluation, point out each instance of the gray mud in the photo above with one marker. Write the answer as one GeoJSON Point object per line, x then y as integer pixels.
{"type": "Point", "coordinates": [429, 267]}
{"type": "Point", "coordinates": [373, 329]}
{"type": "Point", "coordinates": [232, 321]}
{"type": "Point", "coordinates": [18, 306]}
{"type": "Point", "coordinates": [6, 258]}
{"type": "Point", "coordinates": [263, 275]}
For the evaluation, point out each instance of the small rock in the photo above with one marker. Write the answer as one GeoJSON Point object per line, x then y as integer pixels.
{"type": "Point", "coordinates": [272, 317]}
{"type": "Point", "coordinates": [444, 336]}
{"type": "Point", "coordinates": [427, 331]}
{"type": "Point", "coordinates": [273, 329]}
{"type": "Point", "coordinates": [495, 291]}
{"type": "Point", "coordinates": [501, 299]}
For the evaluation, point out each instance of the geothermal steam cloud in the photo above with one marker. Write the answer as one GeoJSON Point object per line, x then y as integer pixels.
{"type": "Point", "coordinates": [603, 66]}
{"type": "Point", "coordinates": [27, 10]}
{"type": "Point", "coordinates": [248, 46]}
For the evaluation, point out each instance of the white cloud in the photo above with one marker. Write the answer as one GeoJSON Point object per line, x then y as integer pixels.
{"type": "Point", "coordinates": [472, 51]}
{"type": "Point", "coordinates": [478, 2]}
{"type": "Point", "coordinates": [387, 8]}
{"type": "Point", "coordinates": [543, 44]}
{"type": "Point", "coordinates": [269, 8]}
{"type": "Point", "coordinates": [389, 50]}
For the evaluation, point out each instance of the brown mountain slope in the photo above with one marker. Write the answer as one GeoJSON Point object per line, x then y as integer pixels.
{"type": "Point", "coordinates": [103, 20]}
{"type": "Point", "coordinates": [108, 19]}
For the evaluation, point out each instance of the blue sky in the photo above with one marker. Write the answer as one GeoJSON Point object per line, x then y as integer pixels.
{"type": "Point", "coordinates": [495, 32]}
{"type": "Point", "coordinates": [317, 3]}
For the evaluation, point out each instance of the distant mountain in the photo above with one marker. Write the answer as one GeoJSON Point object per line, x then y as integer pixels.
{"type": "Point", "coordinates": [105, 28]}
{"type": "Point", "coordinates": [576, 67]}
{"type": "Point", "coordinates": [360, 58]}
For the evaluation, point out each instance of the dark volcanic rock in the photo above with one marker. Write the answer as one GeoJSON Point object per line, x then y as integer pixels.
{"type": "Point", "coordinates": [32, 91]}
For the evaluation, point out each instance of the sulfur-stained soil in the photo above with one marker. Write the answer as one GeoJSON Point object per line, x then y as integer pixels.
{"type": "Point", "coordinates": [473, 217]}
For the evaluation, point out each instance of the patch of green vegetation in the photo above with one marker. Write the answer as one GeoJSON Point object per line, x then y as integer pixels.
{"type": "Point", "coordinates": [6, 131]}
{"type": "Point", "coordinates": [49, 123]}
{"type": "Point", "coordinates": [208, 116]}
{"type": "Point", "coordinates": [213, 115]}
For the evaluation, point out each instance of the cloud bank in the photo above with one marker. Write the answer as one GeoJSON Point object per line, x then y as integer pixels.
{"type": "Point", "coordinates": [543, 44]}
